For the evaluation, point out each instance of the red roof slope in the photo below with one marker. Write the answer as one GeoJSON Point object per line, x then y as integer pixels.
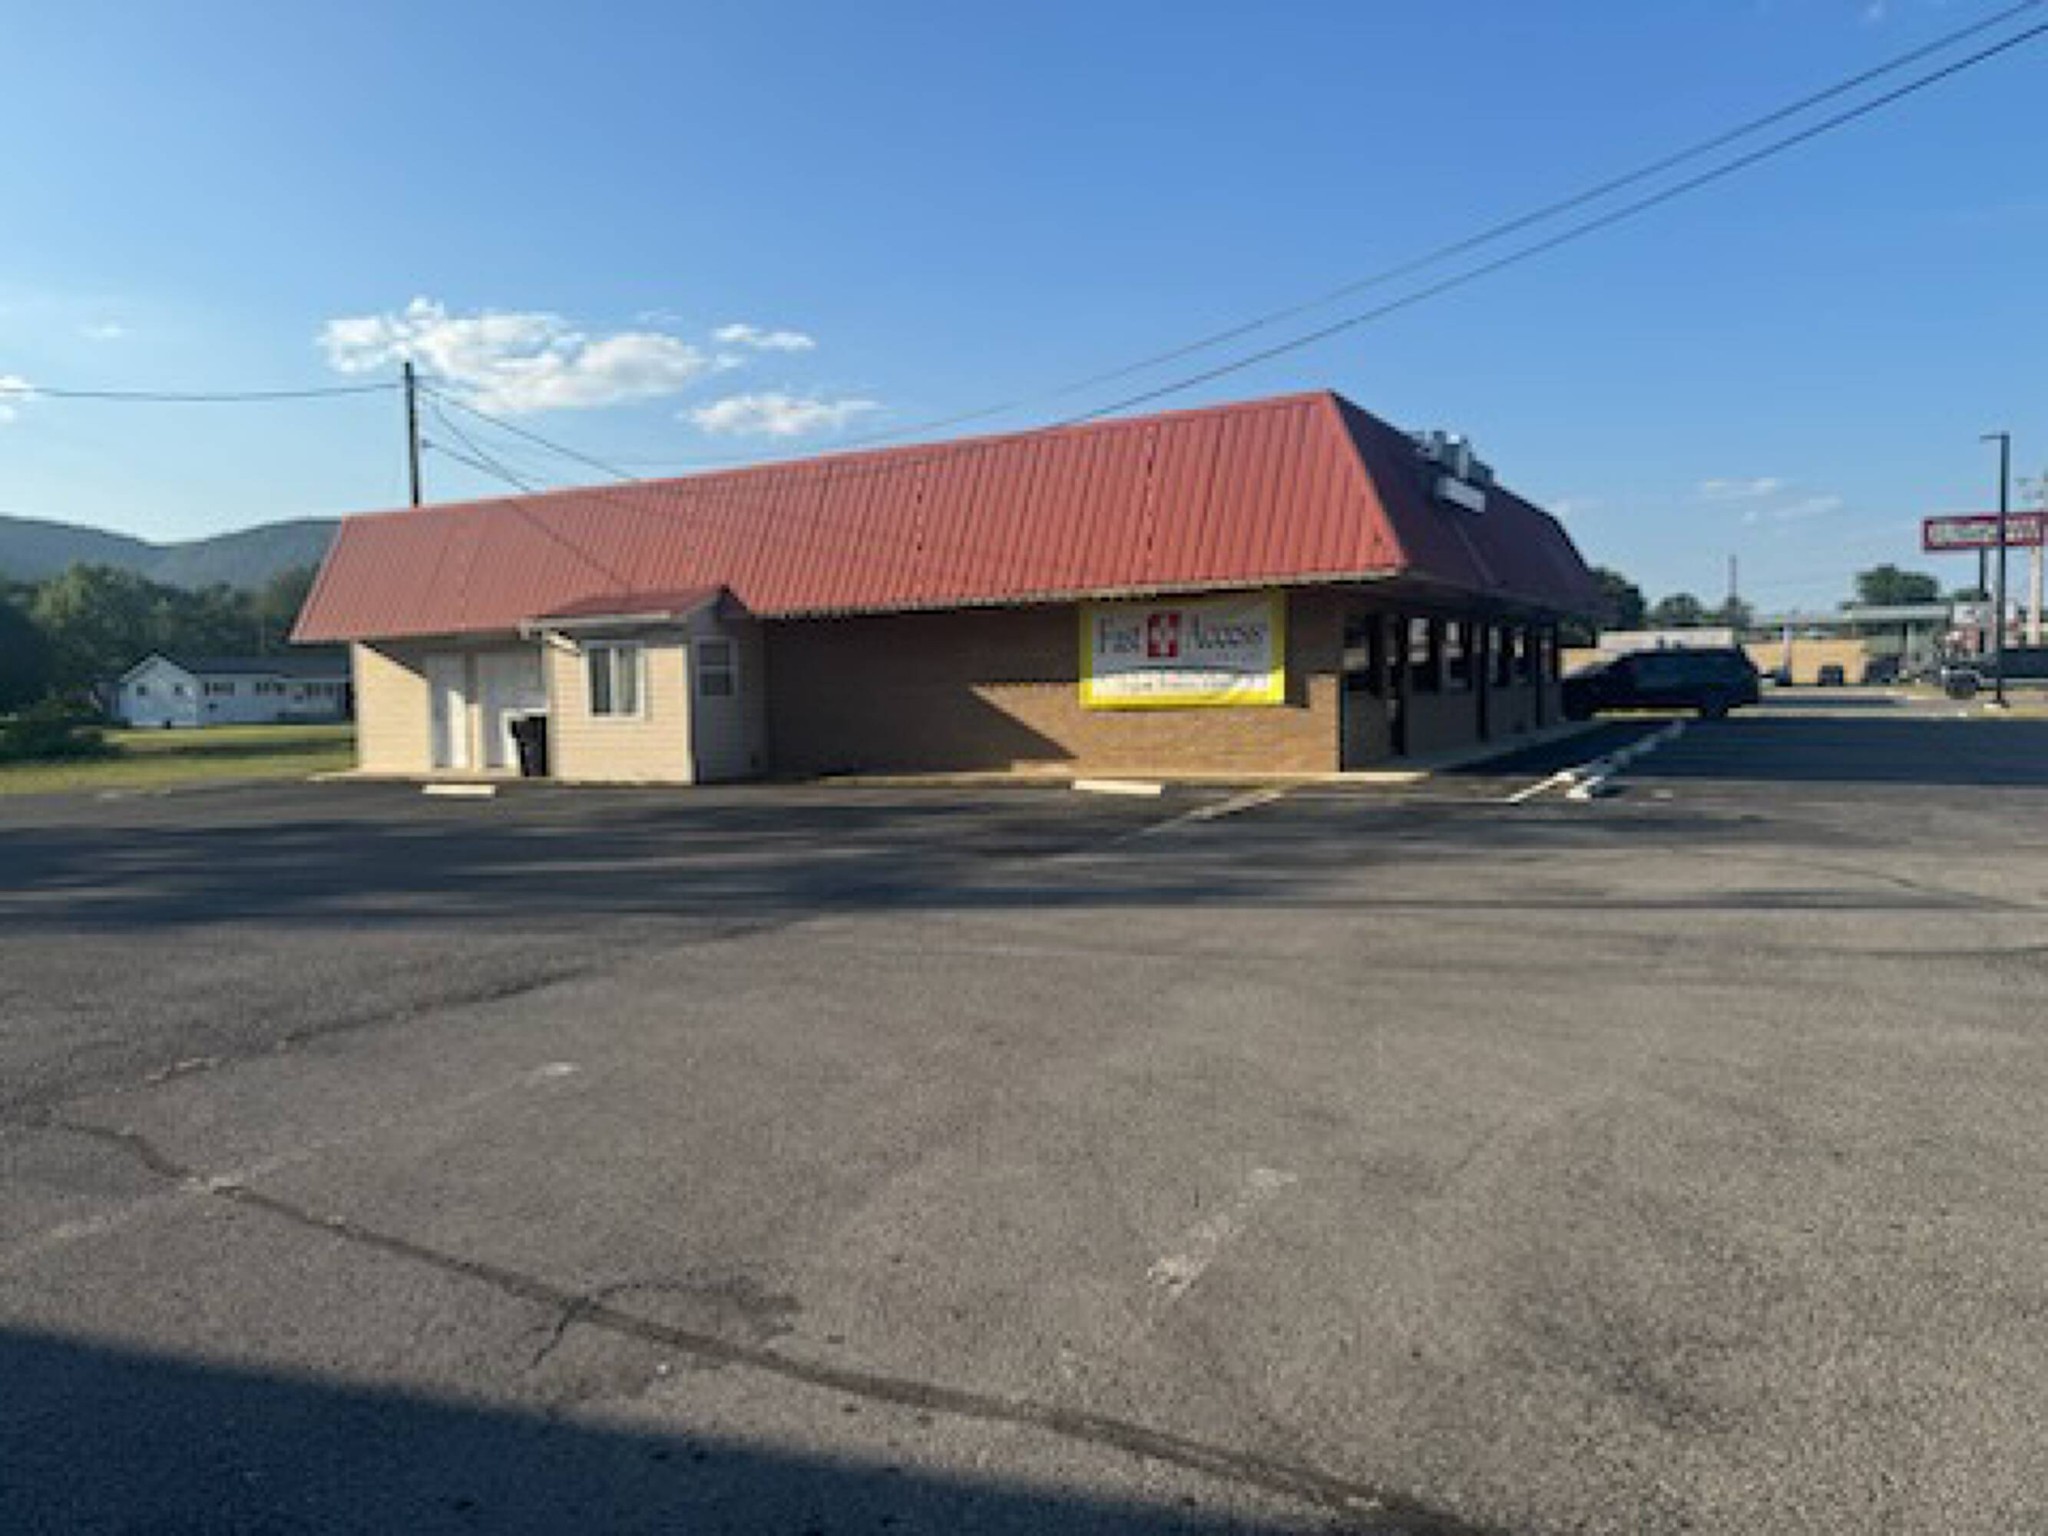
{"type": "Point", "coordinates": [1298, 489]}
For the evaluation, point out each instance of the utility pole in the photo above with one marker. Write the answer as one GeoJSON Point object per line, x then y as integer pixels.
{"type": "Point", "coordinates": [2004, 441]}
{"type": "Point", "coordinates": [412, 429]}
{"type": "Point", "coordinates": [2037, 560]}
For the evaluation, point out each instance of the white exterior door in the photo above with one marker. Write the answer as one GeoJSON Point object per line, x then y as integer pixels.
{"type": "Point", "coordinates": [448, 701]}
{"type": "Point", "coordinates": [509, 685]}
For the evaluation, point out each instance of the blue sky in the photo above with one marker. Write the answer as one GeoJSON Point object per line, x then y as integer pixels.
{"type": "Point", "coordinates": [678, 234]}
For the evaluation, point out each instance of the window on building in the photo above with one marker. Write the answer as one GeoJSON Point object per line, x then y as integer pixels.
{"type": "Point", "coordinates": [1525, 654]}
{"type": "Point", "coordinates": [220, 690]}
{"type": "Point", "coordinates": [1457, 654]}
{"type": "Point", "coordinates": [1426, 655]}
{"type": "Point", "coordinates": [614, 680]}
{"type": "Point", "coordinates": [717, 667]}
{"type": "Point", "coordinates": [1365, 644]}
{"type": "Point", "coordinates": [142, 690]}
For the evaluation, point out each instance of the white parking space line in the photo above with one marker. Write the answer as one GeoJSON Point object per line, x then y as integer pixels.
{"type": "Point", "coordinates": [1174, 1275]}
{"type": "Point", "coordinates": [1244, 802]}
{"type": "Point", "coordinates": [1533, 790]}
{"type": "Point", "coordinates": [1249, 800]}
{"type": "Point", "coordinates": [1595, 778]}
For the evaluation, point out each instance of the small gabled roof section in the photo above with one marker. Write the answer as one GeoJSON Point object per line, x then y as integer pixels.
{"type": "Point", "coordinates": [1297, 490]}
{"type": "Point", "coordinates": [628, 610]}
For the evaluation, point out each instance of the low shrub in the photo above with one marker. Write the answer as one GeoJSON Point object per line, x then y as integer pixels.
{"type": "Point", "coordinates": [51, 732]}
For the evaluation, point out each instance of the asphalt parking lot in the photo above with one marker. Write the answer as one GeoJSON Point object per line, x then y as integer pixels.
{"type": "Point", "coordinates": [860, 1160]}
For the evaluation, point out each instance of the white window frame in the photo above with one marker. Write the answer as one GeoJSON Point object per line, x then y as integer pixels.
{"type": "Point", "coordinates": [631, 653]}
{"type": "Point", "coordinates": [729, 667]}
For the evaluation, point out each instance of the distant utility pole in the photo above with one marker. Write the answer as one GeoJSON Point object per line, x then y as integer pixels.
{"type": "Point", "coordinates": [412, 428]}
{"type": "Point", "coordinates": [1734, 586]}
{"type": "Point", "coordinates": [2004, 441]}
{"type": "Point", "coordinates": [2036, 564]}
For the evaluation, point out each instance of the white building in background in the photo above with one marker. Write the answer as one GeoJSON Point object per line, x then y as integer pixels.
{"type": "Point", "coordinates": [187, 692]}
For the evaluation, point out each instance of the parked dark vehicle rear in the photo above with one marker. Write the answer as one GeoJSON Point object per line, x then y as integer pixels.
{"type": "Point", "coordinates": [1711, 681]}
{"type": "Point", "coordinates": [2026, 666]}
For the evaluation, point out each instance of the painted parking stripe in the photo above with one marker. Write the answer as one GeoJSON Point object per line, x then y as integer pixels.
{"type": "Point", "coordinates": [1174, 1275]}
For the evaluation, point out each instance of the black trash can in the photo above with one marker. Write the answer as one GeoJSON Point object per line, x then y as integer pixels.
{"type": "Point", "coordinates": [530, 736]}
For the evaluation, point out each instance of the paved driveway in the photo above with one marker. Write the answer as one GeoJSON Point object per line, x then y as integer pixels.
{"type": "Point", "coordinates": [794, 1160]}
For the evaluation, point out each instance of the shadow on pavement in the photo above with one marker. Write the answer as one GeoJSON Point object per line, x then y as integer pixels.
{"type": "Point", "coordinates": [99, 1439]}
{"type": "Point", "coordinates": [1937, 750]}
{"type": "Point", "coordinates": [550, 863]}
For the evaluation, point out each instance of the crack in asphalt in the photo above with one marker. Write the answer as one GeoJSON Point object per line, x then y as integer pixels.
{"type": "Point", "coordinates": [1369, 1511]}
{"type": "Point", "coordinates": [37, 1106]}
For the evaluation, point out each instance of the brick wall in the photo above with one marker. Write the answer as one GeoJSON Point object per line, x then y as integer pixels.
{"type": "Point", "coordinates": [998, 689]}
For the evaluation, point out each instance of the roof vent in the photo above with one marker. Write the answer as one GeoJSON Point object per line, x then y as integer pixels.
{"type": "Point", "coordinates": [1464, 479]}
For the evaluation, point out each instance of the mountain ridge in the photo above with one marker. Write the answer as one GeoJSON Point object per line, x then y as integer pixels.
{"type": "Point", "coordinates": [32, 549]}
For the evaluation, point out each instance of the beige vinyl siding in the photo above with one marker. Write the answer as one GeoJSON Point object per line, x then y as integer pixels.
{"type": "Point", "coordinates": [652, 747]}
{"type": "Point", "coordinates": [393, 729]}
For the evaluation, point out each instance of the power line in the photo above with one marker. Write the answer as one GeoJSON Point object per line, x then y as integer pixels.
{"type": "Point", "coordinates": [190, 397]}
{"type": "Point", "coordinates": [482, 466]}
{"type": "Point", "coordinates": [495, 465]}
{"type": "Point", "coordinates": [1573, 233]}
{"type": "Point", "coordinates": [1466, 244]}
{"type": "Point", "coordinates": [1567, 236]}
{"type": "Point", "coordinates": [531, 436]}
{"type": "Point", "coordinates": [1433, 257]}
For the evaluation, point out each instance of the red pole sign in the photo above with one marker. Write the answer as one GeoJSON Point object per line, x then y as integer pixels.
{"type": "Point", "coordinates": [1979, 530]}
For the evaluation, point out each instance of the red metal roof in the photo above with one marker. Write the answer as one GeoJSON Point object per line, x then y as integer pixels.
{"type": "Point", "coordinates": [1302, 489]}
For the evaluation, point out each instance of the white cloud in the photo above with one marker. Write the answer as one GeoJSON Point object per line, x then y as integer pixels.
{"type": "Point", "coordinates": [1793, 511]}
{"type": "Point", "coordinates": [105, 330]}
{"type": "Point", "coordinates": [13, 387]}
{"type": "Point", "coordinates": [763, 341]}
{"type": "Point", "coordinates": [777, 415]}
{"type": "Point", "coordinates": [518, 361]}
{"type": "Point", "coordinates": [1811, 506]}
{"type": "Point", "coordinates": [1740, 490]}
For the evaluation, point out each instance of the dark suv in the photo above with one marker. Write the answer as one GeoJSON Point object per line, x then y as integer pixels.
{"type": "Point", "coordinates": [1712, 681]}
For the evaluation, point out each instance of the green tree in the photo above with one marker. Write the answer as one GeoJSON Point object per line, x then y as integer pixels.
{"type": "Point", "coordinates": [1734, 614]}
{"type": "Point", "coordinates": [1886, 586]}
{"type": "Point", "coordinates": [1622, 604]}
{"type": "Point", "coordinates": [1681, 610]}
{"type": "Point", "coordinates": [99, 622]}
{"type": "Point", "coordinates": [25, 660]}
{"type": "Point", "coordinates": [276, 604]}
{"type": "Point", "coordinates": [1619, 605]}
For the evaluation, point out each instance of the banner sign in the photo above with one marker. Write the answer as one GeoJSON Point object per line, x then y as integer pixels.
{"type": "Point", "coordinates": [1979, 530]}
{"type": "Point", "coordinates": [1185, 652]}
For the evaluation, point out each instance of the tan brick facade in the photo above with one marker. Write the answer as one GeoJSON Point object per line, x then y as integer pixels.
{"type": "Point", "coordinates": [998, 689]}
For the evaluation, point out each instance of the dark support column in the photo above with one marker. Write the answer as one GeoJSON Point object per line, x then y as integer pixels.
{"type": "Point", "coordinates": [1482, 676]}
{"type": "Point", "coordinates": [1404, 688]}
{"type": "Point", "coordinates": [1532, 649]}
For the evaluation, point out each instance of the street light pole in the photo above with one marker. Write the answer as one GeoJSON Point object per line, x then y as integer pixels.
{"type": "Point", "coordinates": [2004, 441]}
